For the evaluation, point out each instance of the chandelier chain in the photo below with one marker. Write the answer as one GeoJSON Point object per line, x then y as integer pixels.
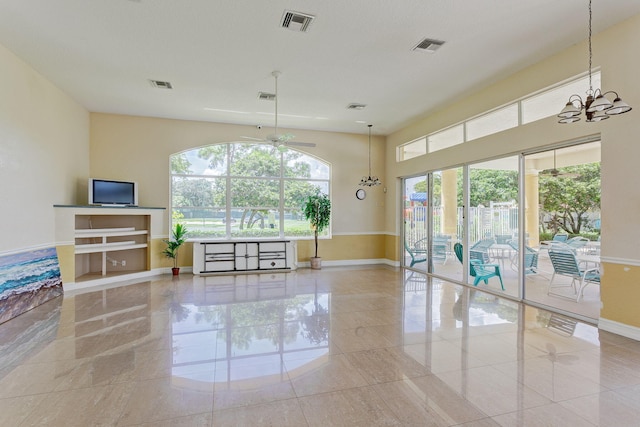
{"type": "Point", "coordinates": [590, 50]}
{"type": "Point", "coordinates": [370, 149]}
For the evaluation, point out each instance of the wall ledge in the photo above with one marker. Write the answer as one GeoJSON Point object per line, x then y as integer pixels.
{"type": "Point", "coordinates": [612, 326]}
{"type": "Point", "coordinates": [621, 261]}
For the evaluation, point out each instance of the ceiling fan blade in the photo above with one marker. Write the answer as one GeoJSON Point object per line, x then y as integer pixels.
{"type": "Point", "coordinates": [300, 144]}
{"type": "Point", "coordinates": [276, 139]}
{"type": "Point", "coordinates": [252, 138]}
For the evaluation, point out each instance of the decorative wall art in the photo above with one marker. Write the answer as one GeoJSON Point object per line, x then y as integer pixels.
{"type": "Point", "coordinates": [28, 279]}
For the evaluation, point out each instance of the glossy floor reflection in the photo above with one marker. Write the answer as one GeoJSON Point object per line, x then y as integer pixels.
{"type": "Point", "coordinates": [336, 347]}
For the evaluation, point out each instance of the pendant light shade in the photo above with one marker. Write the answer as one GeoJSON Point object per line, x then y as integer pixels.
{"type": "Point", "coordinates": [596, 105]}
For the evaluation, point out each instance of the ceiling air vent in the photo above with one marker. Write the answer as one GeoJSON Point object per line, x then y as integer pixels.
{"type": "Point", "coordinates": [429, 45]}
{"type": "Point", "coordinates": [160, 84]}
{"type": "Point", "coordinates": [296, 21]}
{"type": "Point", "coordinates": [264, 96]}
{"type": "Point", "coordinates": [355, 106]}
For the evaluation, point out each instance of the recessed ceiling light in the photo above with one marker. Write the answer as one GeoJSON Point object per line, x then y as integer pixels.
{"type": "Point", "coordinates": [428, 45]}
{"type": "Point", "coordinates": [160, 84]}
{"type": "Point", "coordinates": [265, 96]}
{"type": "Point", "coordinates": [356, 106]}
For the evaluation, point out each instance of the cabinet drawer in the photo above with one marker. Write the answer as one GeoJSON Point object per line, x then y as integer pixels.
{"type": "Point", "coordinates": [218, 257]}
{"type": "Point", "coordinates": [266, 264]}
{"type": "Point", "coordinates": [219, 266]}
{"type": "Point", "coordinates": [216, 248]}
{"type": "Point", "coordinates": [272, 247]}
{"type": "Point", "coordinates": [272, 255]}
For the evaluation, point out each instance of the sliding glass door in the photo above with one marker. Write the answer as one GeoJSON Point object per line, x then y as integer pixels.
{"type": "Point", "coordinates": [446, 222]}
{"type": "Point", "coordinates": [493, 225]}
{"type": "Point", "coordinates": [433, 222]}
{"type": "Point", "coordinates": [553, 196]}
{"type": "Point", "coordinates": [562, 195]}
{"type": "Point", "coordinates": [415, 223]}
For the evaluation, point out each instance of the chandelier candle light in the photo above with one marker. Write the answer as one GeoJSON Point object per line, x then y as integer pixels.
{"type": "Point", "coordinates": [596, 106]}
{"type": "Point", "coordinates": [370, 181]}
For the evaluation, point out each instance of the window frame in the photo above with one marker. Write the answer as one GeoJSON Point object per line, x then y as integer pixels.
{"type": "Point", "coordinates": [274, 216]}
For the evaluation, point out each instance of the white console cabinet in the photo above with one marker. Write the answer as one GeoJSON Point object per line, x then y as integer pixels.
{"type": "Point", "coordinates": [242, 256]}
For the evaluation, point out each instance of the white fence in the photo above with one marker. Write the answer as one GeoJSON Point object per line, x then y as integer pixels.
{"type": "Point", "coordinates": [484, 222]}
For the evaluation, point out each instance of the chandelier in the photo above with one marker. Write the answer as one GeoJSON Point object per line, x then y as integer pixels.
{"type": "Point", "coordinates": [596, 105]}
{"type": "Point", "coordinates": [370, 181]}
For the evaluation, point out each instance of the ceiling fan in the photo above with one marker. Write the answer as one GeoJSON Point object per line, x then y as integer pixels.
{"type": "Point", "coordinates": [555, 173]}
{"type": "Point", "coordinates": [280, 139]}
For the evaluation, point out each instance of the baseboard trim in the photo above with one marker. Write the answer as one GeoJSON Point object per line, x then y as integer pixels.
{"type": "Point", "coordinates": [73, 287]}
{"type": "Point", "coordinates": [352, 262]}
{"type": "Point", "coordinates": [628, 331]}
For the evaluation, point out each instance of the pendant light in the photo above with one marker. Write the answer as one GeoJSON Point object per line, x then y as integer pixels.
{"type": "Point", "coordinates": [596, 105]}
{"type": "Point", "coordinates": [370, 181]}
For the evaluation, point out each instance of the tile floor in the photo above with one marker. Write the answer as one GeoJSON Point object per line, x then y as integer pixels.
{"type": "Point", "coordinates": [336, 347]}
{"type": "Point", "coordinates": [536, 285]}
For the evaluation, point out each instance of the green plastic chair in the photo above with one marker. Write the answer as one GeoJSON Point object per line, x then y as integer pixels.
{"type": "Point", "coordinates": [478, 268]}
{"type": "Point", "coordinates": [417, 253]}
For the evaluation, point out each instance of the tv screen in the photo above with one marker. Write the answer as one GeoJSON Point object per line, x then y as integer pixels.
{"type": "Point", "coordinates": [109, 192]}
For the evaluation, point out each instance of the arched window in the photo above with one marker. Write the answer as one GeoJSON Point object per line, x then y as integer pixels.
{"type": "Point", "coordinates": [237, 190]}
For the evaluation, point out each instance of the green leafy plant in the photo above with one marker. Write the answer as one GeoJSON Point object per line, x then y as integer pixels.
{"type": "Point", "coordinates": [317, 210]}
{"type": "Point", "coordinates": [178, 237]}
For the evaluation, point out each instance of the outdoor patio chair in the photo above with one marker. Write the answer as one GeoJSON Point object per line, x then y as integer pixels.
{"type": "Point", "coordinates": [478, 268]}
{"type": "Point", "coordinates": [578, 243]}
{"type": "Point", "coordinates": [441, 247]}
{"type": "Point", "coordinates": [566, 264]}
{"type": "Point", "coordinates": [530, 258]}
{"type": "Point", "coordinates": [418, 252]}
{"type": "Point", "coordinates": [483, 244]}
{"type": "Point", "coordinates": [503, 239]}
{"type": "Point", "coordinates": [560, 237]}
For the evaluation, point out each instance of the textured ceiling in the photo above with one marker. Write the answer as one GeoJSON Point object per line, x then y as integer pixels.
{"type": "Point", "coordinates": [218, 54]}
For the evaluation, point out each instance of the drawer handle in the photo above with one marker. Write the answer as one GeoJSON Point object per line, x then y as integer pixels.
{"type": "Point", "coordinates": [273, 264]}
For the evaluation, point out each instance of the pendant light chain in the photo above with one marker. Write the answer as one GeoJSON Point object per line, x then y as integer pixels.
{"type": "Point", "coordinates": [370, 150]}
{"type": "Point", "coordinates": [590, 50]}
{"type": "Point", "coordinates": [369, 181]}
{"type": "Point", "coordinates": [276, 74]}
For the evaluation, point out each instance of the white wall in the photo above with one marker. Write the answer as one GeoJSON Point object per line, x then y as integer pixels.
{"type": "Point", "coordinates": [44, 154]}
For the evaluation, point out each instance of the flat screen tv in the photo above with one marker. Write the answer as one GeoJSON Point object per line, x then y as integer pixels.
{"type": "Point", "coordinates": [112, 193]}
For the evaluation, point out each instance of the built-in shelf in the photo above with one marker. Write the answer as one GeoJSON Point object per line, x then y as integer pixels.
{"type": "Point", "coordinates": [107, 242]}
{"type": "Point", "coordinates": [108, 247]}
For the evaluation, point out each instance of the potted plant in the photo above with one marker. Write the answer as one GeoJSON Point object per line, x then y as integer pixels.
{"type": "Point", "coordinates": [178, 237]}
{"type": "Point", "coordinates": [317, 210]}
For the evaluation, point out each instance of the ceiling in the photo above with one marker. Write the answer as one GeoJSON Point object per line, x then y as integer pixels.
{"type": "Point", "coordinates": [218, 54]}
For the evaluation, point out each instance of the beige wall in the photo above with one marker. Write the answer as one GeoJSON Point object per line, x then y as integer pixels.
{"type": "Point", "coordinates": [44, 154]}
{"type": "Point", "coordinates": [45, 158]}
{"type": "Point", "coordinates": [138, 148]}
{"type": "Point", "coordinates": [620, 150]}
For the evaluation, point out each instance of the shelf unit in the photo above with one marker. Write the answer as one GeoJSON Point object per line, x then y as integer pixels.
{"type": "Point", "coordinates": [104, 246]}
{"type": "Point", "coordinates": [108, 243]}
